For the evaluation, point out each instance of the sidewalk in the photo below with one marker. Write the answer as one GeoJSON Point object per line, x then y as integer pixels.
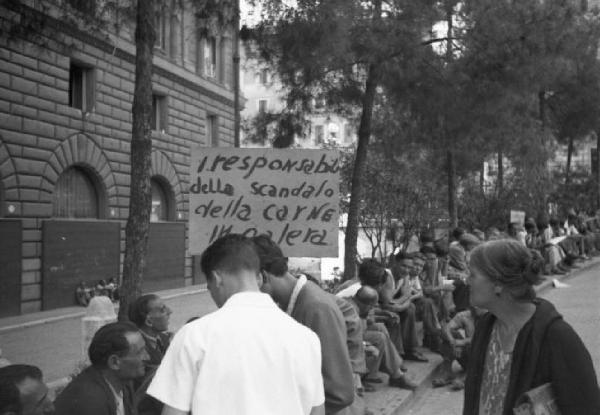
{"type": "Point", "coordinates": [52, 341]}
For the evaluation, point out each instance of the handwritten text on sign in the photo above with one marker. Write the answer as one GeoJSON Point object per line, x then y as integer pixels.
{"type": "Point", "coordinates": [292, 195]}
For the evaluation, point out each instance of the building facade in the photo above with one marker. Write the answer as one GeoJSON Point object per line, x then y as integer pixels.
{"type": "Point", "coordinates": [66, 94]}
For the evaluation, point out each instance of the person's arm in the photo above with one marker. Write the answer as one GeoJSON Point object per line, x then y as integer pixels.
{"type": "Point", "coordinates": [316, 410]}
{"type": "Point", "coordinates": [572, 371]}
{"type": "Point", "coordinates": [169, 410]}
{"type": "Point", "coordinates": [328, 324]}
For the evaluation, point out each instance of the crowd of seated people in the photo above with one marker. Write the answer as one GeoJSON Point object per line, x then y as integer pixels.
{"type": "Point", "coordinates": [367, 327]}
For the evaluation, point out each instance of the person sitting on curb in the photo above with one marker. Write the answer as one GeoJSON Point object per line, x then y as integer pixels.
{"type": "Point", "coordinates": [386, 357]}
{"type": "Point", "coordinates": [151, 315]}
{"type": "Point", "coordinates": [456, 345]}
{"type": "Point", "coordinates": [23, 391]}
{"type": "Point", "coordinates": [117, 353]}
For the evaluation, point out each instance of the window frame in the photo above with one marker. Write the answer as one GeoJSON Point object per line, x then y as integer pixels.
{"type": "Point", "coordinates": [86, 84]}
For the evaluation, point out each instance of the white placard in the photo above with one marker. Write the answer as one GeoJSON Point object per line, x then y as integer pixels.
{"type": "Point", "coordinates": [517, 216]}
{"type": "Point", "coordinates": [292, 195]}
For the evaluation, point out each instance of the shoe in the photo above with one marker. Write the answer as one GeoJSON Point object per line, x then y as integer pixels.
{"type": "Point", "coordinates": [403, 368]}
{"type": "Point", "coordinates": [457, 385]}
{"type": "Point", "coordinates": [415, 357]}
{"type": "Point", "coordinates": [368, 388]}
{"type": "Point", "coordinates": [440, 382]}
{"type": "Point", "coordinates": [557, 271]}
{"type": "Point", "coordinates": [372, 380]}
{"type": "Point", "coordinates": [404, 383]}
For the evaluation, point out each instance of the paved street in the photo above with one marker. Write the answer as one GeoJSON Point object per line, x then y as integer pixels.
{"type": "Point", "coordinates": [579, 304]}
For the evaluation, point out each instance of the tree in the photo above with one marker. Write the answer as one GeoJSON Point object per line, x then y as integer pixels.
{"type": "Point", "coordinates": [340, 50]}
{"type": "Point", "coordinates": [140, 200]}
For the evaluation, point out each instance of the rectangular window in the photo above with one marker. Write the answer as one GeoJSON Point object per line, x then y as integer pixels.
{"type": "Point", "coordinates": [82, 85]}
{"type": "Point", "coordinates": [160, 41]}
{"type": "Point", "coordinates": [319, 134]}
{"type": "Point", "coordinates": [262, 106]}
{"type": "Point", "coordinates": [212, 130]}
{"type": "Point", "coordinates": [158, 117]}
{"type": "Point", "coordinates": [210, 57]}
{"type": "Point", "coordinates": [264, 77]}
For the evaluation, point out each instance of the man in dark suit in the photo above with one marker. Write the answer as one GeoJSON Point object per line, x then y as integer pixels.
{"type": "Point", "coordinates": [117, 353]}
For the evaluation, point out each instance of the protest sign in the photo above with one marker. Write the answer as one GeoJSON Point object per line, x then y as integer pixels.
{"type": "Point", "coordinates": [290, 194]}
{"type": "Point", "coordinates": [517, 216]}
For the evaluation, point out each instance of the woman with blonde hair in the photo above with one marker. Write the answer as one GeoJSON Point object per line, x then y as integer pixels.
{"type": "Point", "coordinates": [522, 342]}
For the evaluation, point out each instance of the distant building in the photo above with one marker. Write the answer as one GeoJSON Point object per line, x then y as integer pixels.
{"type": "Point", "coordinates": [65, 132]}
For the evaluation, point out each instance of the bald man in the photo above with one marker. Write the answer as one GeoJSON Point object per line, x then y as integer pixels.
{"type": "Point", "coordinates": [387, 359]}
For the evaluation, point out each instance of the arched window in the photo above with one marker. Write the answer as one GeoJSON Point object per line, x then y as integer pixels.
{"type": "Point", "coordinates": [75, 195]}
{"type": "Point", "coordinates": [160, 201]}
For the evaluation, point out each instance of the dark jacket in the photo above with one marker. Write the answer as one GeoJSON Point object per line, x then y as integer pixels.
{"type": "Point", "coordinates": [547, 349]}
{"type": "Point", "coordinates": [317, 310]}
{"type": "Point", "coordinates": [89, 394]}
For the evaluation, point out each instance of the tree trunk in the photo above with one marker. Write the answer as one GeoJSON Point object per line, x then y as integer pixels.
{"type": "Point", "coordinates": [360, 164]}
{"type": "Point", "coordinates": [236, 76]}
{"type": "Point", "coordinates": [452, 213]}
{"type": "Point", "coordinates": [500, 182]}
{"type": "Point", "coordinates": [598, 169]}
{"type": "Point", "coordinates": [568, 168]}
{"type": "Point", "coordinates": [140, 199]}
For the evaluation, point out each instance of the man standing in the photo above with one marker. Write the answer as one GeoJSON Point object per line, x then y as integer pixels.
{"type": "Point", "coordinates": [248, 357]}
{"type": "Point", "coordinates": [117, 352]}
{"type": "Point", "coordinates": [23, 392]}
{"type": "Point", "coordinates": [316, 309]}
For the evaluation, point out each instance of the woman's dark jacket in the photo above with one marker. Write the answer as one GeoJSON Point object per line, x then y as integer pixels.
{"type": "Point", "coordinates": [547, 349]}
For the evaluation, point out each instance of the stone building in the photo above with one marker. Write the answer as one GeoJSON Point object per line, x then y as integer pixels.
{"type": "Point", "coordinates": [66, 92]}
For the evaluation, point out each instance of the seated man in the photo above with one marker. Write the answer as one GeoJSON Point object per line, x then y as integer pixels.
{"type": "Point", "coordinates": [457, 336]}
{"type": "Point", "coordinates": [386, 358]}
{"type": "Point", "coordinates": [23, 392]}
{"type": "Point", "coordinates": [117, 353]}
{"type": "Point", "coordinates": [150, 314]}
{"type": "Point", "coordinates": [394, 300]}
{"type": "Point", "coordinates": [426, 308]}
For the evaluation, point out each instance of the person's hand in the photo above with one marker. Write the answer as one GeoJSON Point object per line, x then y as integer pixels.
{"type": "Point", "coordinates": [371, 350]}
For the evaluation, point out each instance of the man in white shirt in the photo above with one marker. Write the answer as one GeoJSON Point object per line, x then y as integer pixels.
{"type": "Point", "coordinates": [248, 357]}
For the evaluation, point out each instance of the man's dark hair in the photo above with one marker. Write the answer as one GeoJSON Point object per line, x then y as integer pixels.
{"type": "Point", "coordinates": [108, 340]}
{"type": "Point", "coordinates": [371, 273]}
{"type": "Point", "coordinates": [457, 233]}
{"type": "Point", "coordinates": [402, 256]}
{"type": "Point", "coordinates": [138, 311]}
{"type": "Point", "coordinates": [10, 377]}
{"type": "Point", "coordinates": [18, 373]}
{"type": "Point", "coordinates": [271, 257]}
{"type": "Point", "coordinates": [230, 253]}
{"type": "Point", "coordinates": [10, 398]}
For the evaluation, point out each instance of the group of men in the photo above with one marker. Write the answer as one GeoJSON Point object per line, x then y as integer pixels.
{"type": "Point", "coordinates": [278, 344]}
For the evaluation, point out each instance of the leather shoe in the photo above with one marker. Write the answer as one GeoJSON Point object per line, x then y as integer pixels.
{"type": "Point", "coordinates": [416, 357]}
{"type": "Point", "coordinates": [404, 383]}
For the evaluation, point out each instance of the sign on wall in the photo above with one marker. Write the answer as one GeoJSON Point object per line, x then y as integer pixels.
{"type": "Point", "coordinates": [290, 194]}
{"type": "Point", "coordinates": [517, 216]}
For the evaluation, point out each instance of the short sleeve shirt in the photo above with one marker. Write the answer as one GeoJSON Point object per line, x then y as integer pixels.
{"type": "Point", "coordinates": [248, 357]}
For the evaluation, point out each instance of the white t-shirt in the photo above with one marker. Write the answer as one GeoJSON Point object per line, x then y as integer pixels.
{"type": "Point", "coordinates": [248, 357]}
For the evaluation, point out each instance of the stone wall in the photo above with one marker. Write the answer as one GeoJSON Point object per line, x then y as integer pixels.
{"type": "Point", "coordinates": [41, 135]}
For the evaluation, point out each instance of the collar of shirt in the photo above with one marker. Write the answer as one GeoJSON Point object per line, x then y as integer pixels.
{"type": "Point", "coordinates": [246, 298]}
{"type": "Point", "coordinates": [299, 284]}
{"type": "Point", "coordinates": [118, 398]}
